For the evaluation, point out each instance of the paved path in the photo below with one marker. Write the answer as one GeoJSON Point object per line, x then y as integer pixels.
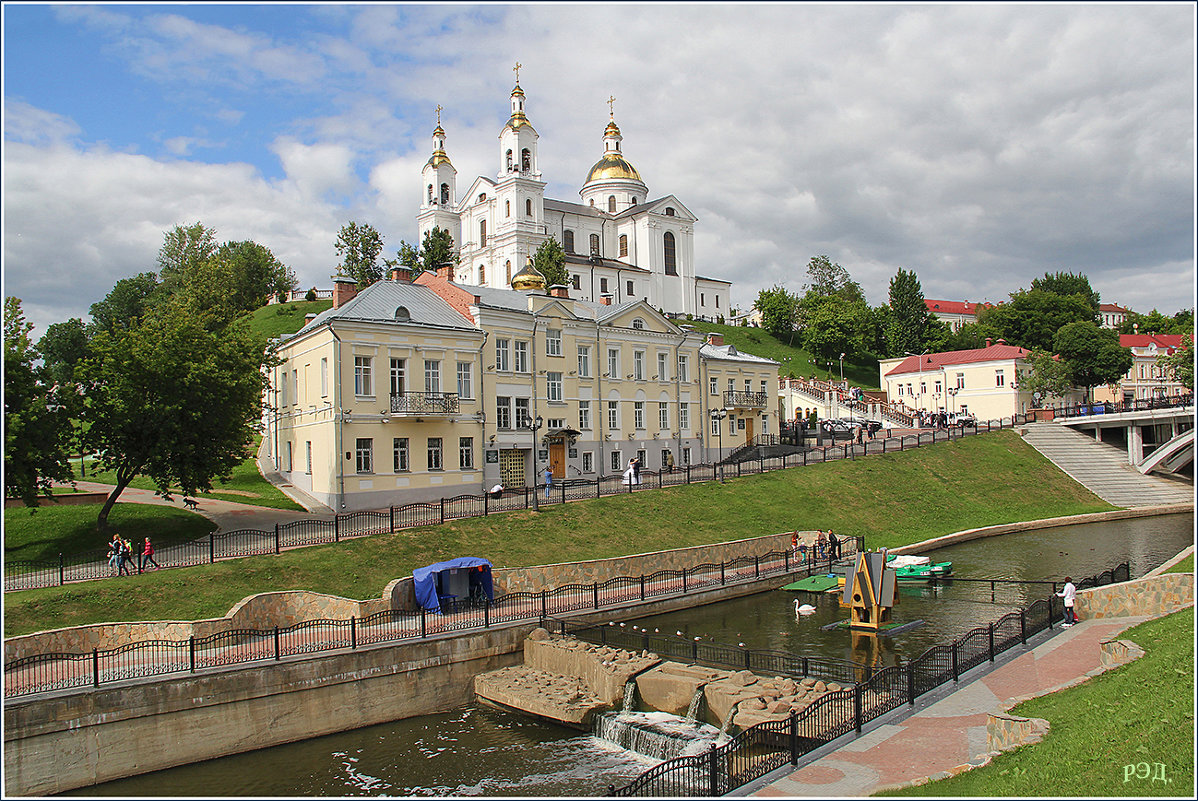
{"type": "Point", "coordinates": [947, 733]}
{"type": "Point", "coordinates": [1103, 469]}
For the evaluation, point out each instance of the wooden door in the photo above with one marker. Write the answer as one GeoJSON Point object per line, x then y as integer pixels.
{"type": "Point", "coordinates": [749, 429]}
{"type": "Point", "coordinates": [557, 459]}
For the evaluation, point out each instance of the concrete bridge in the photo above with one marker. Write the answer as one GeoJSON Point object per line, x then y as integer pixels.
{"type": "Point", "coordinates": [1153, 432]}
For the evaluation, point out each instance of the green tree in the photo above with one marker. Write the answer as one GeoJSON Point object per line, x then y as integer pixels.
{"type": "Point", "coordinates": [1066, 284]}
{"type": "Point", "coordinates": [835, 325]}
{"type": "Point", "coordinates": [437, 249]}
{"type": "Point", "coordinates": [550, 261]}
{"type": "Point", "coordinates": [36, 426]}
{"type": "Point", "coordinates": [359, 246]}
{"type": "Point", "coordinates": [257, 274]}
{"type": "Point", "coordinates": [62, 347]}
{"type": "Point", "coordinates": [184, 248]}
{"type": "Point", "coordinates": [777, 307]}
{"type": "Point", "coordinates": [1032, 317]}
{"type": "Point", "coordinates": [1154, 322]}
{"type": "Point", "coordinates": [1047, 377]}
{"type": "Point", "coordinates": [1093, 355]}
{"type": "Point", "coordinates": [907, 327]}
{"type": "Point", "coordinates": [1181, 362]}
{"type": "Point", "coordinates": [829, 278]}
{"type": "Point", "coordinates": [126, 302]}
{"type": "Point", "coordinates": [171, 400]}
{"type": "Point", "coordinates": [968, 337]}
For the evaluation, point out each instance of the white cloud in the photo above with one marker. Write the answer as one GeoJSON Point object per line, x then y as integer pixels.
{"type": "Point", "coordinates": [316, 171]}
{"type": "Point", "coordinates": [26, 123]}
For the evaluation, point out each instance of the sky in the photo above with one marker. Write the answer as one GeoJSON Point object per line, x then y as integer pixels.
{"type": "Point", "coordinates": [980, 145]}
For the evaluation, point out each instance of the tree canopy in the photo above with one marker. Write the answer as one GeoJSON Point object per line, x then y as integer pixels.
{"type": "Point", "coordinates": [1065, 284]}
{"type": "Point", "coordinates": [832, 315]}
{"type": "Point", "coordinates": [1181, 362]}
{"type": "Point", "coordinates": [778, 309]}
{"type": "Point", "coordinates": [126, 302]}
{"type": "Point", "coordinates": [1092, 355]}
{"type": "Point", "coordinates": [909, 323]}
{"type": "Point", "coordinates": [359, 246]}
{"type": "Point", "coordinates": [437, 249]}
{"type": "Point", "coordinates": [37, 427]}
{"type": "Point", "coordinates": [1032, 317]}
{"type": "Point", "coordinates": [1047, 377]}
{"type": "Point", "coordinates": [550, 261]}
{"type": "Point", "coordinates": [1154, 322]}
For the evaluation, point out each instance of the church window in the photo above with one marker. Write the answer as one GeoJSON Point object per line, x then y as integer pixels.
{"type": "Point", "coordinates": [630, 292]}
{"type": "Point", "coordinates": [669, 211]}
{"type": "Point", "coordinates": [525, 160]}
{"type": "Point", "coordinates": [594, 244]}
{"type": "Point", "coordinates": [528, 207]}
{"type": "Point", "coordinates": [509, 161]}
{"type": "Point", "coordinates": [623, 246]}
{"type": "Point", "coordinates": [670, 253]}
{"type": "Point", "coordinates": [482, 233]}
{"type": "Point", "coordinates": [634, 201]}
{"type": "Point", "coordinates": [611, 204]}
{"type": "Point", "coordinates": [577, 280]}
{"type": "Point", "coordinates": [507, 208]}
{"type": "Point", "coordinates": [717, 301]}
{"type": "Point", "coordinates": [509, 271]}
{"type": "Point", "coordinates": [482, 197]}
{"type": "Point", "coordinates": [603, 286]}
{"type": "Point", "coordinates": [592, 202]}
{"type": "Point", "coordinates": [702, 299]}
{"type": "Point", "coordinates": [430, 193]}
{"type": "Point", "coordinates": [568, 241]}
{"type": "Point", "coordinates": [482, 274]}
{"type": "Point", "coordinates": [444, 193]}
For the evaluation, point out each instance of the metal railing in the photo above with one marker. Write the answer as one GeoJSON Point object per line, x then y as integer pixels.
{"type": "Point", "coordinates": [1140, 405]}
{"type": "Point", "coordinates": [91, 564]}
{"type": "Point", "coordinates": [771, 745]}
{"type": "Point", "coordinates": [41, 673]}
{"type": "Point", "coordinates": [425, 403]}
{"type": "Point", "coordinates": [745, 400]}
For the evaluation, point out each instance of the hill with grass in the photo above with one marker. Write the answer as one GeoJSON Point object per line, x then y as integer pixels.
{"type": "Point", "coordinates": [278, 319]}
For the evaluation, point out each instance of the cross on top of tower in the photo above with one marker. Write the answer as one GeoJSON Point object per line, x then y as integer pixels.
{"type": "Point", "coordinates": [516, 69]}
{"type": "Point", "coordinates": [439, 110]}
{"type": "Point", "coordinates": [611, 106]}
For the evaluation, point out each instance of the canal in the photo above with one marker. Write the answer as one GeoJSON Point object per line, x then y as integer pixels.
{"type": "Point", "coordinates": [477, 751]}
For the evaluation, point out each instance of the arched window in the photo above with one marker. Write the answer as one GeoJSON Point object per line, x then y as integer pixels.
{"type": "Point", "coordinates": [509, 161]}
{"type": "Point", "coordinates": [508, 266]}
{"type": "Point", "coordinates": [638, 324]}
{"type": "Point", "coordinates": [507, 208]}
{"type": "Point", "coordinates": [671, 258]}
{"type": "Point", "coordinates": [430, 193]}
{"type": "Point", "coordinates": [592, 202]}
{"type": "Point", "coordinates": [611, 204]}
{"type": "Point", "coordinates": [568, 241]}
{"type": "Point", "coordinates": [594, 244]}
{"type": "Point", "coordinates": [669, 211]}
{"type": "Point", "coordinates": [482, 233]}
{"type": "Point", "coordinates": [482, 274]}
{"type": "Point", "coordinates": [525, 160]}
{"type": "Point", "coordinates": [444, 193]}
{"type": "Point", "coordinates": [623, 246]}
{"type": "Point", "coordinates": [402, 314]}
{"type": "Point", "coordinates": [634, 201]}
{"type": "Point", "coordinates": [528, 207]}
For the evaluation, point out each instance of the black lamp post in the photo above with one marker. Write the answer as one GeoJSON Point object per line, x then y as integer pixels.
{"type": "Point", "coordinates": [719, 415]}
{"type": "Point", "coordinates": [533, 425]}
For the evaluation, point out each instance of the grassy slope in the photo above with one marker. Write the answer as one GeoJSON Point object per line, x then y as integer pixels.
{"type": "Point", "coordinates": [52, 530]}
{"type": "Point", "coordinates": [892, 499]}
{"type": "Point", "coordinates": [1146, 709]}
{"type": "Point", "coordinates": [1184, 566]}
{"type": "Point", "coordinates": [245, 485]}
{"type": "Point", "coordinates": [283, 318]}
{"type": "Point", "coordinates": [794, 360]}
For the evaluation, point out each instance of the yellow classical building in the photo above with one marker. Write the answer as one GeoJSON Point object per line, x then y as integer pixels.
{"type": "Point", "coordinates": [411, 391]}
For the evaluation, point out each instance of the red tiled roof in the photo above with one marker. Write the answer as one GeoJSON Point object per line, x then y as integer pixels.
{"type": "Point", "coordinates": [455, 296]}
{"type": "Point", "coordinates": [1111, 307]}
{"type": "Point", "coordinates": [935, 361]}
{"type": "Point", "coordinates": [1166, 342]}
{"type": "Point", "coordinates": [955, 306]}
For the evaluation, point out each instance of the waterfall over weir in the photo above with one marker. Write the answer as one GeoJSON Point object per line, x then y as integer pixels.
{"type": "Point", "coordinates": [657, 735]}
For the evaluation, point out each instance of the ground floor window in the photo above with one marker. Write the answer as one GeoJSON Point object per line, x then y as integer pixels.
{"type": "Point", "coordinates": [588, 462]}
{"type": "Point", "coordinates": [365, 454]}
{"type": "Point", "coordinates": [435, 454]}
{"type": "Point", "coordinates": [616, 463]}
{"type": "Point", "coordinates": [466, 453]}
{"type": "Point", "coordinates": [400, 449]}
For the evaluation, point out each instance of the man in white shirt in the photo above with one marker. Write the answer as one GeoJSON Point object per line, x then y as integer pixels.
{"type": "Point", "coordinates": [1068, 593]}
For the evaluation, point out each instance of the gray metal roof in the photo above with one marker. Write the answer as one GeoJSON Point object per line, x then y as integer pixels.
{"type": "Point", "coordinates": [513, 300]}
{"type": "Point", "coordinates": [380, 301]}
{"type": "Point", "coordinates": [614, 264]}
{"type": "Point", "coordinates": [730, 353]}
{"type": "Point", "coordinates": [573, 208]}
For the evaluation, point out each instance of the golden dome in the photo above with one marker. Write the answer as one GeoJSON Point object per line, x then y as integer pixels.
{"type": "Point", "coordinates": [612, 166]}
{"type": "Point", "coordinates": [528, 279]}
{"type": "Point", "coordinates": [518, 120]}
{"type": "Point", "coordinates": [438, 131]}
{"type": "Point", "coordinates": [612, 129]}
{"type": "Point", "coordinates": [438, 158]}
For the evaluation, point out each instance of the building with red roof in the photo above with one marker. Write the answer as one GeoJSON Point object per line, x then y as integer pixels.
{"type": "Point", "coordinates": [956, 312]}
{"type": "Point", "coordinates": [1147, 378]}
{"type": "Point", "coordinates": [1112, 315]}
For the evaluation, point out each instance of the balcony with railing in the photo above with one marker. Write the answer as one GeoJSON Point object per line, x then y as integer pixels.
{"type": "Point", "coordinates": [427, 403]}
{"type": "Point", "coordinates": [745, 400]}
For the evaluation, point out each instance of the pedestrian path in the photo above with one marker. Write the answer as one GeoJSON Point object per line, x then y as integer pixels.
{"type": "Point", "coordinates": [1103, 469]}
{"type": "Point", "coordinates": [945, 734]}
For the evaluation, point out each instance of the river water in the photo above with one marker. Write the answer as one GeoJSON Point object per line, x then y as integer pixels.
{"type": "Point", "coordinates": [477, 751]}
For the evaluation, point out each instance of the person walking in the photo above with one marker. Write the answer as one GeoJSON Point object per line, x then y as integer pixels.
{"type": "Point", "coordinates": [1068, 593]}
{"type": "Point", "coordinates": [669, 461]}
{"type": "Point", "coordinates": [833, 545]}
{"type": "Point", "coordinates": [147, 556]}
{"type": "Point", "coordinates": [548, 481]}
{"type": "Point", "coordinates": [636, 470]}
{"type": "Point", "coordinates": [114, 557]}
{"type": "Point", "coordinates": [124, 556]}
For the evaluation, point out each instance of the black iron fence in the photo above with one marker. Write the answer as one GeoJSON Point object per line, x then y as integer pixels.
{"type": "Point", "coordinates": [763, 748]}
{"type": "Point", "coordinates": [1138, 405]}
{"type": "Point", "coordinates": [86, 565]}
{"type": "Point", "coordinates": [57, 671]}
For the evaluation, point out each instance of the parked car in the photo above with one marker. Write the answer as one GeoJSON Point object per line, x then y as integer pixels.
{"type": "Point", "coordinates": [966, 421]}
{"type": "Point", "coordinates": [839, 429]}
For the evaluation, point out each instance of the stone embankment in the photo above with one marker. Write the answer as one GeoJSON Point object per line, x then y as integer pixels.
{"type": "Point", "coordinates": [570, 681]}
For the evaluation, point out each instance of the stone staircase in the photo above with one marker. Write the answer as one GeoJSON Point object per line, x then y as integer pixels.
{"type": "Point", "coordinates": [1103, 469]}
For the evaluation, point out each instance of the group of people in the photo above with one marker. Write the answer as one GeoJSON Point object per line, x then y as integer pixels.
{"type": "Point", "coordinates": [120, 556]}
{"type": "Point", "coordinates": [936, 419]}
{"type": "Point", "coordinates": [632, 475]}
{"type": "Point", "coordinates": [825, 547]}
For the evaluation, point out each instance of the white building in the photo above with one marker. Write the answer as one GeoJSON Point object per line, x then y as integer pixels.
{"type": "Point", "coordinates": [617, 240]}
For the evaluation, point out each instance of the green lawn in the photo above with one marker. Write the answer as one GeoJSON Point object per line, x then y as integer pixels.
{"type": "Point", "coordinates": [50, 530]}
{"type": "Point", "coordinates": [1140, 713]}
{"type": "Point", "coordinates": [892, 499]}
{"type": "Point", "coordinates": [246, 485]}
{"type": "Point", "coordinates": [277, 319]}
{"type": "Point", "coordinates": [794, 361]}
{"type": "Point", "coordinates": [1184, 566]}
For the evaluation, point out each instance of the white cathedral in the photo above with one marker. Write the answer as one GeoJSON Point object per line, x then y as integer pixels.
{"type": "Point", "coordinates": [620, 246]}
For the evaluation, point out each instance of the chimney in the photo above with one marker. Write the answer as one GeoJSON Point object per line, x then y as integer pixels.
{"type": "Point", "coordinates": [715, 339]}
{"type": "Point", "coordinates": [345, 289]}
{"type": "Point", "coordinates": [401, 274]}
{"type": "Point", "coordinates": [605, 300]}
{"type": "Point", "coordinates": [1001, 341]}
{"type": "Point", "coordinates": [309, 317]}
{"type": "Point", "coordinates": [445, 271]}
{"type": "Point", "coordinates": [987, 341]}
{"type": "Point", "coordinates": [559, 291]}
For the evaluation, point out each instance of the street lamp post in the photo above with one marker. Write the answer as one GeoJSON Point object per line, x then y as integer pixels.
{"type": "Point", "coordinates": [952, 399]}
{"type": "Point", "coordinates": [719, 415]}
{"type": "Point", "coordinates": [920, 357]}
{"type": "Point", "coordinates": [533, 425]}
{"type": "Point", "coordinates": [842, 368]}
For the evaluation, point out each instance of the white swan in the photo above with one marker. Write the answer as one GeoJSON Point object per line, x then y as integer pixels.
{"type": "Point", "coordinates": [804, 609]}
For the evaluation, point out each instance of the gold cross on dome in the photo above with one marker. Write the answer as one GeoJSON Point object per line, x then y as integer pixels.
{"type": "Point", "coordinates": [611, 106]}
{"type": "Point", "coordinates": [439, 110]}
{"type": "Point", "coordinates": [516, 69]}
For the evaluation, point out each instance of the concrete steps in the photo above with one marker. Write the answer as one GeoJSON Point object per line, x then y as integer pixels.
{"type": "Point", "coordinates": [1103, 469]}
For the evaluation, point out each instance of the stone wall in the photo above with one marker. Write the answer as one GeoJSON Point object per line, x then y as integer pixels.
{"type": "Point", "coordinates": [1152, 596]}
{"type": "Point", "coordinates": [63, 499]}
{"type": "Point", "coordinates": [1004, 731]}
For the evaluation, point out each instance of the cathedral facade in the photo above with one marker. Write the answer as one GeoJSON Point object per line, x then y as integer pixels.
{"type": "Point", "coordinates": [619, 243]}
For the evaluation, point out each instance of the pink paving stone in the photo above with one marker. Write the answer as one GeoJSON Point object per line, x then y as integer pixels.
{"type": "Point", "coordinates": [924, 746]}
{"type": "Point", "coordinates": [817, 774]}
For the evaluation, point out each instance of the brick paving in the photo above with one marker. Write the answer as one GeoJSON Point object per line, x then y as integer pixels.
{"type": "Point", "coordinates": [945, 734]}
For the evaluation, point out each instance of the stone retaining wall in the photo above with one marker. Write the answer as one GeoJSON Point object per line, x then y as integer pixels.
{"type": "Point", "coordinates": [64, 499]}
{"type": "Point", "coordinates": [1004, 731]}
{"type": "Point", "coordinates": [1151, 596]}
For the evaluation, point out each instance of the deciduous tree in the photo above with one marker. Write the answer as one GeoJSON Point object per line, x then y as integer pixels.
{"type": "Point", "coordinates": [778, 308]}
{"type": "Point", "coordinates": [126, 302]}
{"type": "Point", "coordinates": [1093, 355]}
{"type": "Point", "coordinates": [1062, 283]}
{"type": "Point", "coordinates": [1032, 317]}
{"type": "Point", "coordinates": [550, 261]}
{"type": "Point", "coordinates": [359, 246]}
{"type": "Point", "coordinates": [1181, 362]}
{"type": "Point", "coordinates": [1046, 377]}
{"type": "Point", "coordinates": [184, 248]}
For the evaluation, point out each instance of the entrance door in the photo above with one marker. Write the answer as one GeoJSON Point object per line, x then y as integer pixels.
{"type": "Point", "coordinates": [511, 468]}
{"type": "Point", "coordinates": [749, 429]}
{"type": "Point", "coordinates": [557, 459]}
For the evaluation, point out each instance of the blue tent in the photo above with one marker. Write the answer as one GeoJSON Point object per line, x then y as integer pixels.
{"type": "Point", "coordinates": [457, 579]}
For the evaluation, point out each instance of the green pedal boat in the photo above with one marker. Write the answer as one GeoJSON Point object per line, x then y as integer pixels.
{"type": "Point", "coordinates": [918, 568]}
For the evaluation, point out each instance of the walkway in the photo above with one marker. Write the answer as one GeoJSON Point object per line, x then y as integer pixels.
{"type": "Point", "coordinates": [1103, 469]}
{"type": "Point", "coordinates": [948, 733]}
